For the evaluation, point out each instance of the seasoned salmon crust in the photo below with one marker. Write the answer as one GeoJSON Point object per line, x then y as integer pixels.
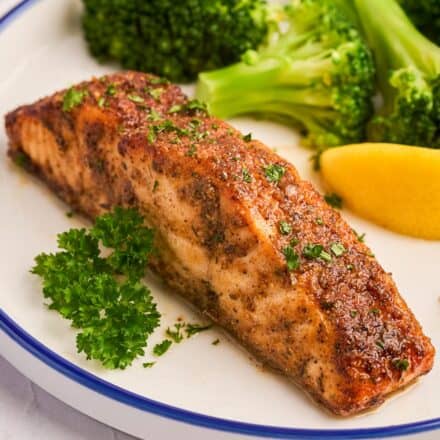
{"type": "Point", "coordinates": [239, 234]}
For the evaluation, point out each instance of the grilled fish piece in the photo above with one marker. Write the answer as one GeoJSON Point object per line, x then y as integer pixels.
{"type": "Point", "coordinates": [240, 235]}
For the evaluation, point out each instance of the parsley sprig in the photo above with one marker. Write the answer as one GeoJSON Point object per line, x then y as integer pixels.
{"type": "Point", "coordinates": [103, 296]}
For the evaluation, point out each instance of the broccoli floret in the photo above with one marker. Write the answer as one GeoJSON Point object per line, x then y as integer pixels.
{"type": "Point", "coordinates": [408, 70]}
{"type": "Point", "coordinates": [425, 14]}
{"type": "Point", "coordinates": [318, 74]}
{"type": "Point", "coordinates": [175, 39]}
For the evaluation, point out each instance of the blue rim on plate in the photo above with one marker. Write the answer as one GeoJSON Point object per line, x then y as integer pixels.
{"type": "Point", "coordinates": [58, 363]}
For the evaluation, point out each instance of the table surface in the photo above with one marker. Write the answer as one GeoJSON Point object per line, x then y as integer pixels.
{"type": "Point", "coordinates": [28, 412]}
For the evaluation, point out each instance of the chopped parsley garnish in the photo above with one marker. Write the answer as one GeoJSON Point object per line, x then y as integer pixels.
{"type": "Point", "coordinates": [195, 105]}
{"type": "Point", "coordinates": [151, 136]}
{"type": "Point", "coordinates": [294, 241]}
{"type": "Point", "coordinates": [350, 267]}
{"type": "Point", "coordinates": [176, 333]}
{"type": "Point", "coordinates": [72, 98]}
{"type": "Point", "coordinates": [274, 172]}
{"type": "Point", "coordinates": [360, 237]}
{"type": "Point", "coordinates": [102, 295]}
{"type": "Point", "coordinates": [247, 137]}
{"type": "Point", "coordinates": [292, 258]}
{"type": "Point", "coordinates": [380, 344]}
{"type": "Point", "coordinates": [334, 200]}
{"type": "Point", "coordinates": [21, 159]}
{"type": "Point", "coordinates": [155, 93]}
{"type": "Point", "coordinates": [246, 176]}
{"type": "Point", "coordinates": [375, 311]}
{"type": "Point", "coordinates": [401, 364]}
{"type": "Point", "coordinates": [111, 90]}
{"type": "Point", "coordinates": [285, 228]}
{"type": "Point", "coordinates": [148, 364]}
{"type": "Point", "coordinates": [69, 214]}
{"type": "Point", "coordinates": [136, 99]}
{"type": "Point", "coordinates": [193, 329]}
{"type": "Point", "coordinates": [102, 102]}
{"type": "Point", "coordinates": [155, 185]}
{"type": "Point", "coordinates": [175, 108]}
{"type": "Point", "coordinates": [319, 221]}
{"type": "Point", "coordinates": [154, 115]}
{"type": "Point", "coordinates": [159, 80]}
{"type": "Point", "coordinates": [314, 251]}
{"type": "Point", "coordinates": [192, 150]}
{"type": "Point", "coordinates": [338, 249]}
{"type": "Point", "coordinates": [216, 342]}
{"type": "Point", "coordinates": [162, 348]}
{"type": "Point", "coordinates": [353, 313]}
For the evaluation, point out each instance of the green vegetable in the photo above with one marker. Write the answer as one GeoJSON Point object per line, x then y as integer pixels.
{"type": "Point", "coordinates": [148, 364]}
{"type": "Point", "coordinates": [318, 74]}
{"type": "Point", "coordinates": [72, 98]}
{"type": "Point", "coordinates": [162, 348]}
{"type": "Point", "coordinates": [334, 200]}
{"type": "Point", "coordinates": [425, 14]}
{"type": "Point", "coordinates": [174, 39]}
{"type": "Point", "coordinates": [274, 172]}
{"type": "Point", "coordinates": [408, 70]}
{"type": "Point", "coordinates": [103, 296]}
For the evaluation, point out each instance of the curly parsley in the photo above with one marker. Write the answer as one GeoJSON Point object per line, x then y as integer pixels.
{"type": "Point", "coordinates": [102, 295]}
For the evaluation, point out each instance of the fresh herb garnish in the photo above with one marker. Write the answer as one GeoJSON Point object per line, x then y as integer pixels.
{"type": "Point", "coordinates": [175, 108]}
{"type": "Point", "coordinates": [21, 159]}
{"type": "Point", "coordinates": [103, 296]}
{"type": "Point", "coordinates": [246, 176]}
{"type": "Point", "coordinates": [334, 200]}
{"type": "Point", "coordinates": [401, 364]}
{"type": "Point", "coordinates": [155, 93]}
{"type": "Point", "coordinates": [360, 237]}
{"type": "Point", "coordinates": [192, 150]}
{"type": "Point", "coordinates": [69, 214]}
{"type": "Point", "coordinates": [274, 172]}
{"type": "Point", "coordinates": [102, 102]}
{"type": "Point", "coordinates": [319, 221]}
{"type": "Point", "coordinates": [314, 251]}
{"type": "Point", "coordinates": [154, 115]}
{"type": "Point", "coordinates": [111, 90]}
{"type": "Point", "coordinates": [216, 342]}
{"type": "Point", "coordinates": [159, 80]}
{"type": "Point", "coordinates": [162, 348]}
{"type": "Point", "coordinates": [338, 249]}
{"type": "Point", "coordinates": [375, 311]}
{"type": "Point", "coordinates": [291, 257]}
{"type": "Point", "coordinates": [151, 136]}
{"type": "Point", "coordinates": [176, 333]}
{"type": "Point", "coordinates": [72, 98]}
{"type": "Point", "coordinates": [285, 228]}
{"type": "Point", "coordinates": [380, 344]}
{"type": "Point", "coordinates": [193, 329]}
{"type": "Point", "coordinates": [148, 364]}
{"type": "Point", "coordinates": [247, 137]}
{"type": "Point", "coordinates": [136, 99]}
{"type": "Point", "coordinates": [155, 185]}
{"type": "Point", "coordinates": [353, 313]}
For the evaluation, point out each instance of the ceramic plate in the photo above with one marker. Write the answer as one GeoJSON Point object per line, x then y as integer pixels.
{"type": "Point", "coordinates": [196, 384]}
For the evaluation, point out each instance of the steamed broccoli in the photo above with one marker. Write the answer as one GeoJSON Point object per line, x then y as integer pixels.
{"type": "Point", "coordinates": [318, 74]}
{"type": "Point", "coordinates": [408, 70]}
{"type": "Point", "coordinates": [175, 39]}
{"type": "Point", "coordinates": [426, 16]}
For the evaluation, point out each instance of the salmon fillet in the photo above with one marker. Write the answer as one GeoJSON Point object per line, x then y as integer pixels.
{"type": "Point", "coordinates": [239, 234]}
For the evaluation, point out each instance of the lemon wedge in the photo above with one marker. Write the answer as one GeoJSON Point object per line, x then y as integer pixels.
{"type": "Point", "coordinates": [395, 186]}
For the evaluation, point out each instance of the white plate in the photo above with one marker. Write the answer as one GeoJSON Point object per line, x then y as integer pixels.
{"type": "Point", "coordinates": [219, 387]}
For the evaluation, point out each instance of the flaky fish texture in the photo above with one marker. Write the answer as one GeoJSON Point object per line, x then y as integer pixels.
{"type": "Point", "coordinates": [233, 222]}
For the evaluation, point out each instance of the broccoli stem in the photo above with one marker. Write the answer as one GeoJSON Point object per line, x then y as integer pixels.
{"type": "Point", "coordinates": [273, 85]}
{"type": "Point", "coordinates": [394, 39]}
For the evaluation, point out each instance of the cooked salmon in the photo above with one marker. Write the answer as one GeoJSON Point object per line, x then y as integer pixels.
{"type": "Point", "coordinates": [239, 234]}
